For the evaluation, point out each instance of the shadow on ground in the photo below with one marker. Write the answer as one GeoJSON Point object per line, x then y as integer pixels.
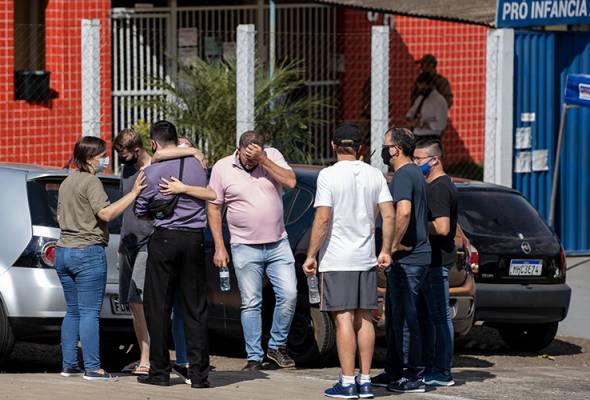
{"type": "Point", "coordinates": [486, 341]}
{"type": "Point", "coordinates": [471, 352]}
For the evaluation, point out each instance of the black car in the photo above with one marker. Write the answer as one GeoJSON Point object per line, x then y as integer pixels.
{"type": "Point", "coordinates": [312, 333]}
{"type": "Point", "coordinates": [518, 263]}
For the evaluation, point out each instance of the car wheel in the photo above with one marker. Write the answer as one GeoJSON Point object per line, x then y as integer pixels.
{"type": "Point", "coordinates": [6, 336]}
{"type": "Point", "coordinates": [529, 338]}
{"type": "Point", "coordinates": [312, 337]}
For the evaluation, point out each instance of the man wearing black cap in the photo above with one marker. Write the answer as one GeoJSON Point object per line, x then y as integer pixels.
{"type": "Point", "coordinates": [428, 66]}
{"type": "Point", "coordinates": [347, 197]}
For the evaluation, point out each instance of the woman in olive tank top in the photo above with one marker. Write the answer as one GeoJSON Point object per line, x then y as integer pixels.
{"type": "Point", "coordinates": [83, 212]}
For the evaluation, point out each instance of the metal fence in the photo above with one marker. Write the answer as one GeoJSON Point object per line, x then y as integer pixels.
{"type": "Point", "coordinates": [334, 48]}
{"type": "Point", "coordinates": [150, 44]}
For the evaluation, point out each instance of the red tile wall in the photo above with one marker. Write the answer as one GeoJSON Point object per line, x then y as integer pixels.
{"type": "Point", "coordinates": [461, 53]}
{"type": "Point", "coordinates": [44, 133]}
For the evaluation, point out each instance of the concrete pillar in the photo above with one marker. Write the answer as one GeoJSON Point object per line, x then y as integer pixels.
{"type": "Point", "coordinates": [499, 107]}
{"type": "Point", "coordinates": [245, 79]}
{"type": "Point", "coordinates": [91, 77]}
{"type": "Point", "coordinates": [379, 92]}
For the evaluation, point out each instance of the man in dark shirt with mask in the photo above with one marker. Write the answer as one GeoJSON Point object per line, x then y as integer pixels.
{"type": "Point", "coordinates": [135, 234]}
{"type": "Point", "coordinates": [408, 274]}
{"type": "Point", "coordinates": [437, 327]}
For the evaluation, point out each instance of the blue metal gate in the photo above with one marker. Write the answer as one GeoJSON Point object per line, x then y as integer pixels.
{"type": "Point", "coordinates": [541, 64]}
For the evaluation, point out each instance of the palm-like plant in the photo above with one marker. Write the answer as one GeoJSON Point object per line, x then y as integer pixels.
{"type": "Point", "coordinates": [203, 106]}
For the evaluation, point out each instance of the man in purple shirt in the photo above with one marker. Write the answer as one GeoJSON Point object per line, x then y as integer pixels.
{"type": "Point", "coordinates": [175, 259]}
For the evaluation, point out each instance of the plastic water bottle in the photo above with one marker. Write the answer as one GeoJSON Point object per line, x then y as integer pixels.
{"type": "Point", "coordinates": [314, 292]}
{"type": "Point", "coordinates": [224, 283]}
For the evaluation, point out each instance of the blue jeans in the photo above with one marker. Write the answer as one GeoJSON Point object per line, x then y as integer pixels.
{"type": "Point", "coordinates": [250, 263]}
{"type": "Point", "coordinates": [178, 330]}
{"type": "Point", "coordinates": [406, 282]}
{"type": "Point", "coordinates": [435, 321]}
{"type": "Point", "coordinates": [83, 275]}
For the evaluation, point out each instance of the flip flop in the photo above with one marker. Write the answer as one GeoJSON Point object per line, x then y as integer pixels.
{"type": "Point", "coordinates": [141, 370]}
{"type": "Point", "coordinates": [129, 368]}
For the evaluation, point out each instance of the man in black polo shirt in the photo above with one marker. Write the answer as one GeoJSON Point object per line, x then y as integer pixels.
{"type": "Point", "coordinates": [437, 332]}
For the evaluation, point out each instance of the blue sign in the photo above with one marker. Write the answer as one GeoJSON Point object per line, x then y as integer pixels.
{"type": "Point", "coordinates": [577, 90]}
{"type": "Point", "coordinates": [522, 13]}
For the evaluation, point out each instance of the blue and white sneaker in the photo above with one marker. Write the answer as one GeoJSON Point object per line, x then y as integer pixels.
{"type": "Point", "coordinates": [365, 390]}
{"type": "Point", "coordinates": [96, 376]}
{"type": "Point", "coordinates": [342, 391]}
{"type": "Point", "coordinates": [438, 379]}
{"type": "Point", "coordinates": [405, 385]}
{"type": "Point", "coordinates": [69, 372]}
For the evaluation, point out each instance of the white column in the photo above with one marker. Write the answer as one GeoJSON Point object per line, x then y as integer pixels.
{"type": "Point", "coordinates": [91, 77]}
{"type": "Point", "coordinates": [499, 107]}
{"type": "Point", "coordinates": [379, 92]}
{"type": "Point", "coordinates": [171, 42]}
{"type": "Point", "coordinates": [245, 79]}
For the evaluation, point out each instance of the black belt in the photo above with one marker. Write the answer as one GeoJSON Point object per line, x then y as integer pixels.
{"type": "Point", "coordinates": [179, 229]}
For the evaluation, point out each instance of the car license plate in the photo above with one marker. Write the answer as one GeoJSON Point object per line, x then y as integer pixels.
{"type": "Point", "coordinates": [526, 267]}
{"type": "Point", "coordinates": [117, 307]}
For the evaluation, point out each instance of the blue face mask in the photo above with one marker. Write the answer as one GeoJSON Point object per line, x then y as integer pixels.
{"type": "Point", "coordinates": [103, 164]}
{"type": "Point", "coordinates": [426, 167]}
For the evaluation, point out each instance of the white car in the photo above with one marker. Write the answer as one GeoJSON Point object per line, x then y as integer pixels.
{"type": "Point", "coordinates": [32, 303]}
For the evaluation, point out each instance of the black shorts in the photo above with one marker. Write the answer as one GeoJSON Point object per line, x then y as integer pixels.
{"type": "Point", "coordinates": [348, 290]}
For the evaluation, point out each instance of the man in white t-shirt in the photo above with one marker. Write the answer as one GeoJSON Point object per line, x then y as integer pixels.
{"type": "Point", "coordinates": [348, 195]}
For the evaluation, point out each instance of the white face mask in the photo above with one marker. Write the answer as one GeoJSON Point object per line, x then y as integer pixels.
{"type": "Point", "coordinates": [102, 164]}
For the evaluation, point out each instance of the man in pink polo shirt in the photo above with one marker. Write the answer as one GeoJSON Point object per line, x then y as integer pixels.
{"type": "Point", "coordinates": [250, 182]}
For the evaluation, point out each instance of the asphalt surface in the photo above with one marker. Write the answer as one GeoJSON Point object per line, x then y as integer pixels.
{"type": "Point", "coordinates": [484, 369]}
{"type": "Point", "coordinates": [577, 323]}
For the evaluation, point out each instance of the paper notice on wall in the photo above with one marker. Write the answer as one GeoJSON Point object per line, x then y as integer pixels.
{"type": "Point", "coordinates": [527, 117]}
{"type": "Point", "coordinates": [188, 55]}
{"type": "Point", "coordinates": [522, 162]}
{"type": "Point", "coordinates": [523, 138]}
{"type": "Point", "coordinates": [188, 37]}
{"type": "Point", "coordinates": [540, 160]}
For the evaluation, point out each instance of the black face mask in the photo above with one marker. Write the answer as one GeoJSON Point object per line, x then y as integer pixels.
{"type": "Point", "coordinates": [131, 161]}
{"type": "Point", "coordinates": [385, 156]}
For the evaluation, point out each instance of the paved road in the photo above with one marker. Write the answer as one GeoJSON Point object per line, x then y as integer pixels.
{"type": "Point", "coordinates": [485, 370]}
{"type": "Point", "coordinates": [577, 323]}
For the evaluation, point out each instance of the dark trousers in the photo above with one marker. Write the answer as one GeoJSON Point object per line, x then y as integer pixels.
{"type": "Point", "coordinates": [435, 321]}
{"type": "Point", "coordinates": [404, 285]}
{"type": "Point", "coordinates": [176, 259]}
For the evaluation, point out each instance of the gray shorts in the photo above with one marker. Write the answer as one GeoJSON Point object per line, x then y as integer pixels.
{"type": "Point", "coordinates": [348, 290]}
{"type": "Point", "coordinates": [132, 277]}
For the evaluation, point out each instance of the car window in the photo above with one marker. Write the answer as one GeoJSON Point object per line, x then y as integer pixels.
{"type": "Point", "coordinates": [499, 213]}
{"type": "Point", "coordinates": [303, 201]}
{"type": "Point", "coordinates": [42, 195]}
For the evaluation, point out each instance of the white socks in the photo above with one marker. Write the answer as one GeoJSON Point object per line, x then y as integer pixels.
{"type": "Point", "coordinates": [349, 380]}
